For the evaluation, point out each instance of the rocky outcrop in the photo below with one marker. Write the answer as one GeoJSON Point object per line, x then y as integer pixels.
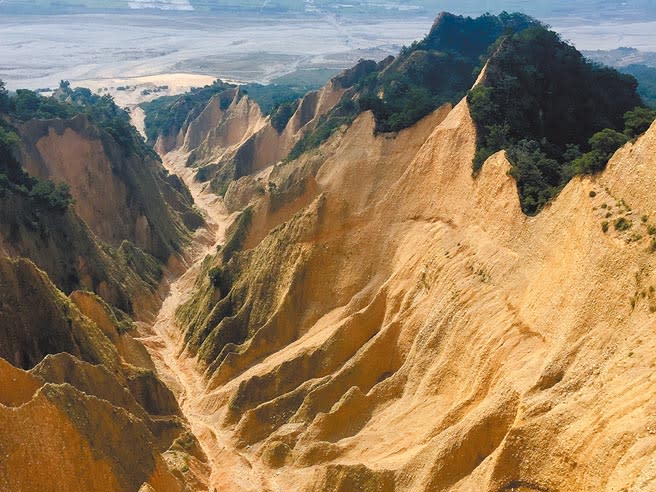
{"type": "Point", "coordinates": [120, 194]}
{"type": "Point", "coordinates": [394, 323]}
{"type": "Point", "coordinates": [29, 334]}
{"type": "Point", "coordinates": [62, 244]}
{"type": "Point", "coordinates": [130, 218]}
{"type": "Point", "coordinates": [227, 144]}
{"type": "Point", "coordinates": [68, 420]}
{"type": "Point", "coordinates": [76, 442]}
{"type": "Point", "coordinates": [118, 331]}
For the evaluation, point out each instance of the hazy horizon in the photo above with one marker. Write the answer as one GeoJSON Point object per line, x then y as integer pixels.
{"type": "Point", "coordinates": [251, 45]}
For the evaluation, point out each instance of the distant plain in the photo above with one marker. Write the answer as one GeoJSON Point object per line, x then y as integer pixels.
{"type": "Point", "coordinates": [37, 51]}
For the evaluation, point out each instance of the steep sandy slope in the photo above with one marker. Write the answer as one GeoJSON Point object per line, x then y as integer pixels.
{"type": "Point", "coordinates": [402, 326]}
{"type": "Point", "coordinates": [231, 138]}
{"type": "Point", "coordinates": [62, 244]}
{"type": "Point", "coordinates": [90, 414]}
{"type": "Point", "coordinates": [58, 435]}
{"type": "Point", "coordinates": [119, 193]}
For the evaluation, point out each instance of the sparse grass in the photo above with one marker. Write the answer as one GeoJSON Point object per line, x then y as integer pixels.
{"type": "Point", "coordinates": [483, 275]}
{"type": "Point", "coordinates": [622, 224]}
{"type": "Point", "coordinates": [652, 246]}
{"type": "Point", "coordinates": [424, 281]}
{"type": "Point", "coordinates": [237, 238]}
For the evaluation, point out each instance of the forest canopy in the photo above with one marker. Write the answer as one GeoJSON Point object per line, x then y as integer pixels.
{"type": "Point", "coordinates": [555, 113]}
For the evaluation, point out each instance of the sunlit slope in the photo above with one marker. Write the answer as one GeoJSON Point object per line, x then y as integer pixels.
{"type": "Point", "coordinates": [460, 347]}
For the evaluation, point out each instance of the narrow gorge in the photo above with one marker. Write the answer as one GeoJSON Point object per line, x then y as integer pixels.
{"type": "Point", "coordinates": [425, 276]}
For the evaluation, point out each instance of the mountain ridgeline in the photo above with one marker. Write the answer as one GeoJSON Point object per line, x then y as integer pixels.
{"type": "Point", "coordinates": [539, 99]}
{"type": "Point", "coordinates": [166, 116]}
{"type": "Point", "coordinates": [89, 222]}
{"type": "Point", "coordinates": [87, 200]}
{"type": "Point", "coordinates": [114, 216]}
{"type": "Point", "coordinates": [383, 315]}
{"type": "Point", "coordinates": [367, 307]}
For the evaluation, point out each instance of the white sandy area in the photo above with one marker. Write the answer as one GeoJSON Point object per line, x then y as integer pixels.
{"type": "Point", "coordinates": [176, 83]}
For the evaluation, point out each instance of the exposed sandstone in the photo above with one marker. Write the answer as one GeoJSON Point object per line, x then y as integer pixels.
{"type": "Point", "coordinates": [405, 327]}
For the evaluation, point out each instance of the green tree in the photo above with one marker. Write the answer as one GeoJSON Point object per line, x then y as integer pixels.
{"type": "Point", "coordinates": [282, 114]}
{"type": "Point", "coordinates": [638, 121]}
{"type": "Point", "coordinates": [603, 145]}
{"type": "Point", "coordinates": [4, 97]}
{"type": "Point", "coordinates": [56, 197]}
{"type": "Point", "coordinates": [607, 141]}
{"type": "Point", "coordinates": [537, 175]}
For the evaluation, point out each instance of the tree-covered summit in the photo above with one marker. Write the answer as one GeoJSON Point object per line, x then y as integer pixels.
{"type": "Point", "coordinates": [67, 102]}
{"type": "Point", "coordinates": [438, 69]}
{"type": "Point", "coordinates": [544, 103]}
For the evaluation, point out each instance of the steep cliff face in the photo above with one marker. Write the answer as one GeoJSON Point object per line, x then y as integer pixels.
{"type": "Point", "coordinates": [465, 347]}
{"type": "Point", "coordinates": [79, 415]}
{"type": "Point", "coordinates": [119, 193]}
{"type": "Point", "coordinates": [230, 140]}
{"type": "Point", "coordinates": [129, 219]}
{"type": "Point", "coordinates": [62, 244]}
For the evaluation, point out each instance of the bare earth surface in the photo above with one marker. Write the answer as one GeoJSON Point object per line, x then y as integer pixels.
{"type": "Point", "coordinates": [465, 348]}
{"type": "Point", "coordinates": [231, 471]}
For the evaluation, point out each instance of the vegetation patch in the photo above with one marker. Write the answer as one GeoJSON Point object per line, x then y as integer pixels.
{"type": "Point", "coordinates": [272, 96]}
{"type": "Point", "coordinates": [145, 265]}
{"type": "Point", "coordinates": [646, 77]}
{"type": "Point", "coordinates": [221, 279]}
{"type": "Point", "coordinates": [281, 115]}
{"type": "Point", "coordinates": [238, 235]}
{"type": "Point", "coordinates": [166, 115]}
{"type": "Point", "coordinates": [621, 224]}
{"type": "Point", "coordinates": [343, 114]}
{"type": "Point", "coordinates": [42, 193]}
{"type": "Point", "coordinates": [67, 102]}
{"type": "Point", "coordinates": [556, 114]}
